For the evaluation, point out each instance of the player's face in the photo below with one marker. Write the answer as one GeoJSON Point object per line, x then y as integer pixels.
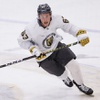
{"type": "Point", "coordinates": [45, 19]}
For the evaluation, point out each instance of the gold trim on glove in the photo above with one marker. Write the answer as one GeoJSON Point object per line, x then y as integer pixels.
{"type": "Point", "coordinates": [80, 32]}
{"type": "Point", "coordinates": [84, 41]}
{"type": "Point", "coordinates": [42, 55]}
{"type": "Point", "coordinates": [31, 49]}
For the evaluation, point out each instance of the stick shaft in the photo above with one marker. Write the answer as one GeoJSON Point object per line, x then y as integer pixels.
{"type": "Point", "coordinates": [21, 60]}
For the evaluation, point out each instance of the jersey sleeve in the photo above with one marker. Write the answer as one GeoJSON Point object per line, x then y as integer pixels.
{"type": "Point", "coordinates": [66, 26]}
{"type": "Point", "coordinates": [24, 40]}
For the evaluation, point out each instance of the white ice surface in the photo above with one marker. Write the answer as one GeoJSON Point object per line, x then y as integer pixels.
{"type": "Point", "coordinates": [14, 14]}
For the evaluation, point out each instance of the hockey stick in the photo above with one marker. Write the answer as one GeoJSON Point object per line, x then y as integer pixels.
{"type": "Point", "coordinates": [17, 61]}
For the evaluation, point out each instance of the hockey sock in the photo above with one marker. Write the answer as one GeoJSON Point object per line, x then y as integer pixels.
{"type": "Point", "coordinates": [64, 75]}
{"type": "Point", "coordinates": [75, 71]}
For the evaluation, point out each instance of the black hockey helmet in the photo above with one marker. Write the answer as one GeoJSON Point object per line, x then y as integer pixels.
{"type": "Point", "coordinates": [44, 8]}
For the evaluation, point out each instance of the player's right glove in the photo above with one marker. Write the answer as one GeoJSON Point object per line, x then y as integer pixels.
{"type": "Point", "coordinates": [39, 55]}
{"type": "Point", "coordinates": [82, 37]}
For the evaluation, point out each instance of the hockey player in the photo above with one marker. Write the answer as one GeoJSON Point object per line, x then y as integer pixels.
{"type": "Point", "coordinates": [41, 36]}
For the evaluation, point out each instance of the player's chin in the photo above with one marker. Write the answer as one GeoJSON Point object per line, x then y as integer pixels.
{"type": "Point", "coordinates": [45, 25]}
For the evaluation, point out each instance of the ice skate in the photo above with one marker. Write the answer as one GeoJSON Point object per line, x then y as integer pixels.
{"type": "Point", "coordinates": [84, 88]}
{"type": "Point", "coordinates": [68, 82]}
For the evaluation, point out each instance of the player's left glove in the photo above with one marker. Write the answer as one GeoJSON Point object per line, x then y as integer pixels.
{"type": "Point", "coordinates": [82, 37]}
{"type": "Point", "coordinates": [39, 55]}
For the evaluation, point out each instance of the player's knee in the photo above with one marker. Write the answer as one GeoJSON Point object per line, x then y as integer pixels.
{"type": "Point", "coordinates": [59, 72]}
